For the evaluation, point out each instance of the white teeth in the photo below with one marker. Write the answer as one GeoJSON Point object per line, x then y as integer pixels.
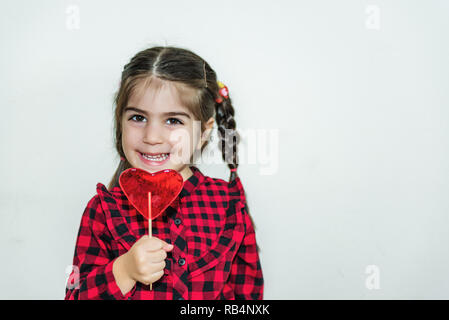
{"type": "Point", "coordinates": [156, 158]}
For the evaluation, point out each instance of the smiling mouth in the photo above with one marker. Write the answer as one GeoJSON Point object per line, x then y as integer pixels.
{"type": "Point", "coordinates": [156, 157]}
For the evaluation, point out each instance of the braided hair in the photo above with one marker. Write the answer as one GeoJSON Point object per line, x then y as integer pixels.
{"type": "Point", "coordinates": [226, 127]}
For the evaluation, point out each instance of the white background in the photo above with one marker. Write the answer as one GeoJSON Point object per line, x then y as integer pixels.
{"type": "Point", "coordinates": [358, 91]}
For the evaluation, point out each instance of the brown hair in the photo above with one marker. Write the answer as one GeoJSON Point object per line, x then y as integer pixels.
{"type": "Point", "coordinates": [196, 83]}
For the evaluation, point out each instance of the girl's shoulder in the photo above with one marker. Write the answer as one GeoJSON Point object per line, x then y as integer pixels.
{"type": "Point", "coordinates": [231, 189]}
{"type": "Point", "coordinates": [104, 199]}
{"type": "Point", "coordinates": [93, 215]}
{"type": "Point", "coordinates": [113, 195]}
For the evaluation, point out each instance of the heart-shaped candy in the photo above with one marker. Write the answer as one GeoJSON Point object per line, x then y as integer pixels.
{"type": "Point", "coordinates": [164, 185]}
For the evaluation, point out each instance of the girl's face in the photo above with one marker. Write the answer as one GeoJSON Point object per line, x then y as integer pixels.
{"type": "Point", "coordinates": [158, 132]}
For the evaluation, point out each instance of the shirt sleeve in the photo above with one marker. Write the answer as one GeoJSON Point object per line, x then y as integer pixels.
{"type": "Point", "coordinates": [246, 276]}
{"type": "Point", "coordinates": [92, 276]}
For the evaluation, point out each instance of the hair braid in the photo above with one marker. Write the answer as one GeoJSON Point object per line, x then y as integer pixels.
{"type": "Point", "coordinates": [228, 141]}
{"type": "Point", "coordinates": [227, 134]}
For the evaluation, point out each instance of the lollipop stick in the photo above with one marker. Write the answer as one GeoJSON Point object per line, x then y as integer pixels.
{"type": "Point", "coordinates": [150, 231]}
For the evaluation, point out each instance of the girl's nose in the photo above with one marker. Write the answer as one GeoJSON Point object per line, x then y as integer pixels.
{"type": "Point", "coordinates": [153, 134]}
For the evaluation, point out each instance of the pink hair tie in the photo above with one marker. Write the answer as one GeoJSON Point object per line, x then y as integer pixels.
{"type": "Point", "coordinates": [121, 158]}
{"type": "Point", "coordinates": [234, 170]}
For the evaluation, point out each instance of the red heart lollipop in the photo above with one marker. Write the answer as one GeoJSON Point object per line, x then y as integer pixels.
{"type": "Point", "coordinates": [164, 185]}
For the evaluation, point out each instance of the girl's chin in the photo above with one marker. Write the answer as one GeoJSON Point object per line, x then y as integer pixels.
{"type": "Point", "coordinates": [155, 168]}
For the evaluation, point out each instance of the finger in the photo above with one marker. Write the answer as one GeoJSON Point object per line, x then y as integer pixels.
{"type": "Point", "coordinates": [153, 277]}
{"type": "Point", "coordinates": [158, 256]}
{"type": "Point", "coordinates": [156, 276]}
{"type": "Point", "coordinates": [153, 244]}
{"type": "Point", "coordinates": [158, 266]}
{"type": "Point", "coordinates": [165, 245]}
{"type": "Point", "coordinates": [161, 244]}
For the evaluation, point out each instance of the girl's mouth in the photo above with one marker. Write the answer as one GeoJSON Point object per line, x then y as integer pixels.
{"type": "Point", "coordinates": [154, 160]}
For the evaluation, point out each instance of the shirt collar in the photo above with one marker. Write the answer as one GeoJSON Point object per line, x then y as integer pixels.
{"type": "Point", "coordinates": [192, 182]}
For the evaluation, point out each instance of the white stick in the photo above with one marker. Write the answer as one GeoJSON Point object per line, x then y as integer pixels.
{"type": "Point", "coordinates": [150, 231]}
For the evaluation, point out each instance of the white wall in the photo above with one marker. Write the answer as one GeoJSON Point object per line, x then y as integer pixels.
{"type": "Point", "coordinates": [358, 91]}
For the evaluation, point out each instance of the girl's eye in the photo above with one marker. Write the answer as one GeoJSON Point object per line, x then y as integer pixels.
{"type": "Point", "coordinates": [173, 121]}
{"type": "Point", "coordinates": [136, 115]}
{"type": "Point", "coordinates": [177, 121]}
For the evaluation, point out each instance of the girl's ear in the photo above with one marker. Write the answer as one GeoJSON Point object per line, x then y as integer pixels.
{"type": "Point", "coordinates": [207, 131]}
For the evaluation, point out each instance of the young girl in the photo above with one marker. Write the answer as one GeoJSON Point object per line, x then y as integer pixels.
{"type": "Point", "coordinates": [203, 245]}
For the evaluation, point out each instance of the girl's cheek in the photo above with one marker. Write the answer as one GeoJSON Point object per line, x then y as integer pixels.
{"type": "Point", "coordinates": [179, 138]}
{"type": "Point", "coordinates": [179, 155]}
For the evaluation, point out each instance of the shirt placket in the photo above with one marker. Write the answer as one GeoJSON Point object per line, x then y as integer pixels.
{"type": "Point", "coordinates": [179, 264]}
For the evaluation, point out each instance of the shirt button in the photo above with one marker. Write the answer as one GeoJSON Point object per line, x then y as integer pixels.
{"type": "Point", "coordinates": [182, 261]}
{"type": "Point", "coordinates": [177, 221]}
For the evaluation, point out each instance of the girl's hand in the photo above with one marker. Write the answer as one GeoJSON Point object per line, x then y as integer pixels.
{"type": "Point", "coordinates": [144, 262]}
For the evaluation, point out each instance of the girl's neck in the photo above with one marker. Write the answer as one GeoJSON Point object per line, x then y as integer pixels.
{"type": "Point", "coordinates": [186, 172]}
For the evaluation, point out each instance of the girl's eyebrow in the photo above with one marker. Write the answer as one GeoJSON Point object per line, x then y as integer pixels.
{"type": "Point", "coordinates": [173, 113]}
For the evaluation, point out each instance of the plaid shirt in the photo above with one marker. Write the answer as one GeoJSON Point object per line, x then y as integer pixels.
{"type": "Point", "coordinates": [214, 254]}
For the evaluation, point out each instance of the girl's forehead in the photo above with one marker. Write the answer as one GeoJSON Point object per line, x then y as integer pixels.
{"type": "Point", "coordinates": [156, 97]}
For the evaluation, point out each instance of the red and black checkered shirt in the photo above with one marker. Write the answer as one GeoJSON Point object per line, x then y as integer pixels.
{"type": "Point", "coordinates": [214, 254]}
